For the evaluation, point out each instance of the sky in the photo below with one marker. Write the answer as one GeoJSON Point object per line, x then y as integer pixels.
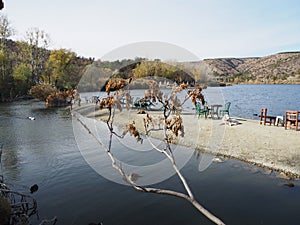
{"type": "Point", "coordinates": [200, 28]}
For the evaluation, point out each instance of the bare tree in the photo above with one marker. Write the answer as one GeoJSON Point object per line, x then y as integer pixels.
{"type": "Point", "coordinates": [36, 52]}
{"type": "Point", "coordinates": [6, 30]}
{"type": "Point", "coordinates": [172, 128]}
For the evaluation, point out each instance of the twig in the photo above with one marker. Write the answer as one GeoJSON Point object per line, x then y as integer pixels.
{"type": "Point", "coordinates": [2, 177]}
{"type": "Point", "coordinates": [52, 221]}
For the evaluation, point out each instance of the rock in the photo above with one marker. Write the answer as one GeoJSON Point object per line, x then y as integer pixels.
{"type": "Point", "coordinates": [218, 160]}
{"type": "Point", "coordinates": [289, 184]}
{"type": "Point", "coordinates": [266, 171]}
{"type": "Point", "coordinates": [34, 188]}
{"type": "Point", "coordinates": [283, 176]}
{"type": "Point", "coordinates": [254, 170]}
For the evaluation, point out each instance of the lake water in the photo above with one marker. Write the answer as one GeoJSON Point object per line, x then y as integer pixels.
{"type": "Point", "coordinates": [250, 99]}
{"type": "Point", "coordinates": [246, 100]}
{"type": "Point", "coordinates": [44, 151]}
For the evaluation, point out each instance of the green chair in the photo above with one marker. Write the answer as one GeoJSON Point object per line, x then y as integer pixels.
{"type": "Point", "coordinates": [200, 111]}
{"type": "Point", "coordinates": [137, 103]}
{"type": "Point", "coordinates": [225, 111]}
{"type": "Point", "coordinates": [142, 103]}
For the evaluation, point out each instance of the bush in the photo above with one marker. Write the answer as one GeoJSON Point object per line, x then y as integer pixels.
{"type": "Point", "coordinates": [42, 91]}
{"type": "Point", "coordinates": [59, 98]}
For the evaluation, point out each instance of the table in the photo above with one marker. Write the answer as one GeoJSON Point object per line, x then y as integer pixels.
{"type": "Point", "coordinates": [213, 110]}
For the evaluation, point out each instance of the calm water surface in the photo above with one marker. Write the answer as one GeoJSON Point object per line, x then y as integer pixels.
{"type": "Point", "coordinates": [44, 151]}
{"type": "Point", "coordinates": [249, 99]}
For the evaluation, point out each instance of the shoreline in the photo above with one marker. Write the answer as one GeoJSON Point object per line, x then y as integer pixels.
{"type": "Point", "coordinates": [265, 146]}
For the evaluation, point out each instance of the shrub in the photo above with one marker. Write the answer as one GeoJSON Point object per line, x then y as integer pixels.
{"type": "Point", "coordinates": [41, 91]}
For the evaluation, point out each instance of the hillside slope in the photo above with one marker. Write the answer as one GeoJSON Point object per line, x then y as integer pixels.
{"type": "Point", "coordinates": [277, 68]}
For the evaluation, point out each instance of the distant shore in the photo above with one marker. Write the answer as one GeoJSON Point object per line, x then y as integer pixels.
{"type": "Point", "coordinates": [267, 146]}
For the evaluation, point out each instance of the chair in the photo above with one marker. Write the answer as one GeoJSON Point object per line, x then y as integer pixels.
{"type": "Point", "coordinates": [226, 109]}
{"type": "Point", "coordinates": [137, 103]}
{"type": "Point", "coordinates": [292, 120]}
{"type": "Point", "coordinates": [265, 119]}
{"type": "Point", "coordinates": [142, 103]}
{"type": "Point", "coordinates": [201, 110]}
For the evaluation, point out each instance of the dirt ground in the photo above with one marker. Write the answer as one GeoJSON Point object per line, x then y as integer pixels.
{"type": "Point", "coordinates": [264, 145]}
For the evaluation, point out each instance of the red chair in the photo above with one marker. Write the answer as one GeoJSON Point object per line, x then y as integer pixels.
{"type": "Point", "coordinates": [265, 119]}
{"type": "Point", "coordinates": [292, 120]}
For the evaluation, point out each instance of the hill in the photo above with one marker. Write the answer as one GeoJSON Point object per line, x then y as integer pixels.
{"type": "Point", "coordinates": [278, 68]}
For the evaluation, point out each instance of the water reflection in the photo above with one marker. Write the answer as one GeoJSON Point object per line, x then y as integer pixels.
{"type": "Point", "coordinates": [11, 167]}
{"type": "Point", "coordinates": [44, 152]}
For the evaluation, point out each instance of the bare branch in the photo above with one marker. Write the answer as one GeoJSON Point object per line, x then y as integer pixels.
{"type": "Point", "coordinates": [171, 126]}
{"type": "Point", "coordinates": [169, 155]}
{"type": "Point", "coordinates": [184, 196]}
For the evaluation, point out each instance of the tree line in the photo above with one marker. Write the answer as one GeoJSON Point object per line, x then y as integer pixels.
{"type": "Point", "coordinates": [23, 64]}
{"type": "Point", "coordinates": [98, 74]}
{"type": "Point", "coordinates": [27, 63]}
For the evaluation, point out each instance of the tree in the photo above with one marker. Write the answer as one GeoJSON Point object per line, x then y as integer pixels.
{"type": "Point", "coordinates": [169, 126]}
{"type": "Point", "coordinates": [6, 80]}
{"type": "Point", "coordinates": [6, 30]}
{"type": "Point", "coordinates": [35, 52]}
{"type": "Point", "coordinates": [21, 77]}
{"type": "Point", "coordinates": [154, 68]}
{"type": "Point", "coordinates": [57, 65]}
{"type": "Point", "coordinates": [64, 69]}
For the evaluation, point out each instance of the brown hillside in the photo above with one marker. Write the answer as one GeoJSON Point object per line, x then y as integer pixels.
{"type": "Point", "coordinates": [277, 68]}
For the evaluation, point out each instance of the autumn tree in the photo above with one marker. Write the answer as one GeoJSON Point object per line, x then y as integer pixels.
{"type": "Point", "coordinates": [42, 91]}
{"type": "Point", "coordinates": [64, 69]}
{"type": "Point", "coordinates": [57, 65]}
{"type": "Point", "coordinates": [153, 68]}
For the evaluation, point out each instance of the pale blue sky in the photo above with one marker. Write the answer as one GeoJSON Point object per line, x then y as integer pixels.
{"type": "Point", "coordinates": [207, 28]}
